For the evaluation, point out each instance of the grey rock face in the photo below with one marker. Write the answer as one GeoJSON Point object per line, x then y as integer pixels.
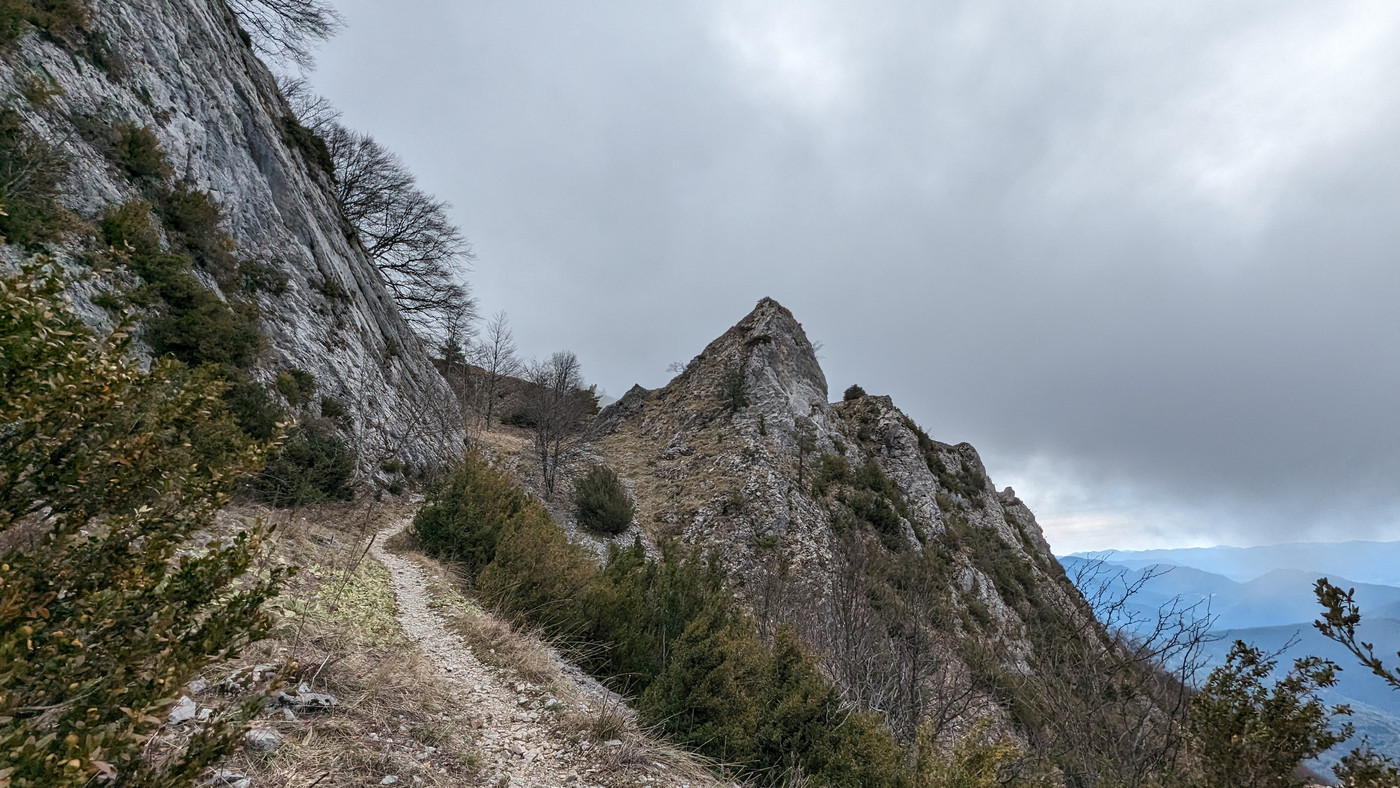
{"type": "Point", "coordinates": [741, 484]}
{"type": "Point", "coordinates": [218, 115]}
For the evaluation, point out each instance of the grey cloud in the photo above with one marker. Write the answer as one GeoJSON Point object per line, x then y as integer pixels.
{"type": "Point", "coordinates": [1149, 247]}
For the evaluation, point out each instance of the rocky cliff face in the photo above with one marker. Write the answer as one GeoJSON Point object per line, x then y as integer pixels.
{"type": "Point", "coordinates": [184, 69]}
{"type": "Point", "coordinates": [891, 553]}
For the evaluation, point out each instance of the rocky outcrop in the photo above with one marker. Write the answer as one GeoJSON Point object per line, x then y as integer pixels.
{"type": "Point", "coordinates": [814, 507]}
{"type": "Point", "coordinates": [185, 69]}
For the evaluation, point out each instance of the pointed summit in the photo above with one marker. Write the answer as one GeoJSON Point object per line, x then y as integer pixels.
{"type": "Point", "coordinates": [771, 349]}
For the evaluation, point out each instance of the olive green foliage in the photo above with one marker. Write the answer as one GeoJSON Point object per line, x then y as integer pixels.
{"type": "Point", "coordinates": [733, 390]}
{"type": "Point", "coordinates": [297, 385]}
{"type": "Point", "coordinates": [600, 502]}
{"type": "Point", "coordinates": [666, 631]}
{"type": "Point", "coordinates": [333, 408]}
{"type": "Point", "coordinates": [1363, 767]}
{"type": "Point", "coordinates": [1340, 618]}
{"type": "Point", "coordinates": [536, 575]}
{"type": "Point", "coordinates": [867, 494]}
{"type": "Point", "coordinates": [467, 510]}
{"type": "Point", "coordinates": [59, 19]}
{"type": "Point", "coordinates": [185, 318]}
{"type": "Point", "coordinates": [31, 173]}
{"type": "Point", "coordinates": [311, 144]}
{"type": "Point", "coordinates": [105, 471]}
{"type": "Point", "coordinates": [852, 393]}
{"type": "Point", "coordinates": [254, 409]}
{"type": "Point", "coordinates": [137, 152]}
{"type": "Point", "coordinates": [314, 464]}
{"type": "Point", "coordinates": [1244, 732]}
{"type": "Point", "coordinates": [978, 761]}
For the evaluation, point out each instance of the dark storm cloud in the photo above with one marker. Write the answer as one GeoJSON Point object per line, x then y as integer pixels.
{"type": "Point", "coordinates": [1144, 256]}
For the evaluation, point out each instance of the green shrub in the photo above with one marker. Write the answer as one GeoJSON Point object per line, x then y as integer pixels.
{"type": "Point", "coordinates": [195, 222]}
{"type": "Point", "coordinates": [601, 503]}
{"type": "Point", "coordinates": [106, 470]}
{"type": "Point", "coordinates": [467, 510]}
{"type": "Point", "coordinates": [313, 465]}
{"type": "Point", "coordinates": [297, 385]}
{"type": "Point", "coordinates": [58, 19]}
{"type": "Point", "coordinates": [536, 576]}
{"type": "Point", "coordinates": [853, 393]}
{"type": "Point", "coordinates": [1243, 732]}
{"type": "Point", "coordinates": [32, 173]}
{"type": "Point", "coordinates": [136, 151]}
{"type": "Point", "coordinates": [259, 277]}
{"type": "Point", "coordinates": [668, 631]}
{"type": "Point", "coordinates": [311, 145]}
{"type": "Point", "coordinates": [333, 408]}
{"type": "Point", "coordinates": [254, 409]}
{"type": "Point", "coordinates": [733, 390]}
{"type": "Point", "coordinates": [185, 319]}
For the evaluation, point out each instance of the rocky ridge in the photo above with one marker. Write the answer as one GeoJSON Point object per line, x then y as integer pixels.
{"type": "Point", "coordinates": [779, 488]}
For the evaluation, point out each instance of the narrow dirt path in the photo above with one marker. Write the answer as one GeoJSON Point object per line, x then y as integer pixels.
{"type": "Point", "coordinates": [516, 750]}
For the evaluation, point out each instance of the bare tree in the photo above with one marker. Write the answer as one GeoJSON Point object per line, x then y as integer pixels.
{"type": "Point", "coordinates": [1113, 682]}
{"type": "Point", "coordinates": [421, 255]}
{"type": "Point", "coordinates": [496, 355]}
{"type": "Point", "coordinates": [555, 408]}
{"type": "Point", "coordinates": [287, 30]}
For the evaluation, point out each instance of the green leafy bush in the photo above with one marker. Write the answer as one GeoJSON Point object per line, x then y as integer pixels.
{"type": "Point", "coordinates": [31, 174]}
{"type": "Point", "coordinates": [536, 575]}
{"type": "Point", "coordinates": [137, 152]}
{"type": "Point", "coordinates": [853, 393]}
{"type": "Point", "coordinates": [733, 390]}
{"type": "Point", "coordinates": [601, 503]}
{"type": "Point", "coordinates": [1243, 732]}
{"type": "Point", "coordinates": [667, 631]}
{"type": "Point", "coordinates": [59, 19]}
{"type": "Point", "coordinates": [313, 465]}
{"type": "Point", "coordinates": [105, 471]}
{"type": "Point", "coordinates": [311, 145]}
{"type": "Point", "coordinates": [466, 512]}
{"type": "Point", "coordinates": [186, 319]}
{"type": "Point", "coordinates": [333, 408]}
{"type": "Point", "coordinates": [297, 385]}
{"type": "Point", "coordinates": [254, 409]}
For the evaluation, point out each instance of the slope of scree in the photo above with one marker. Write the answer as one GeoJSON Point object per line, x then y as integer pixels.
{"type": "Point", "coordinates": [816, 509]}
{"type": "Point", "coordinates": [184, 69]}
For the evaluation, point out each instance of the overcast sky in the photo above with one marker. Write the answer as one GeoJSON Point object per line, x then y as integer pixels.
{"type": "Point", "coordinates": [1144, 256]}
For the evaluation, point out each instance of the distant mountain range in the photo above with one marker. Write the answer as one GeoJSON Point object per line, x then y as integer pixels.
{"type": "Point", "coordinates": [1280, 597]}
{"type": "Point", "coordinates": [1263, 596]}
{"type": "Point", "coordinates": [1365, 562]}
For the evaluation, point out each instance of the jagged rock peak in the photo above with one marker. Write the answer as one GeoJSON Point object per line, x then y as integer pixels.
{"type": "Point", "coordinates": [773, 351]}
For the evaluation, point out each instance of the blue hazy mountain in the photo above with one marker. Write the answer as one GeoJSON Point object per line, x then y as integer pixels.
{"type": "Point", "coordinates": [1375, 705]}
{"type": "Point", "coordinates": [1274, 608]}
{"type": "Point", "coordinates": [1365, 562]}
{"type": "Point", "coordinates": [1277, 598]}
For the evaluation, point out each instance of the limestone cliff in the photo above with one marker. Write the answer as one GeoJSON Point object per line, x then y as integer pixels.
{"type": "Point", "coordinates": [184, 69]}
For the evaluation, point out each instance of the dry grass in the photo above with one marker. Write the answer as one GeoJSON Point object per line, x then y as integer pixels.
{"type": "Point", "coordinates": [593, 717]}
{"type": "Point", "coordinates": [339, 636]}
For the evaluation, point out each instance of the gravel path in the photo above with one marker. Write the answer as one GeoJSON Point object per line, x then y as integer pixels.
{"type": "Point", "coordinates": [518, 746]}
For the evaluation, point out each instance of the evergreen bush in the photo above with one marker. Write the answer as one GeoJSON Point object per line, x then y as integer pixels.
{"type": "Point", "coordinates": [853, 393]}
{"type": "Point", "coordinates": [31, 171]}
{"type": "Point", "coordinates": [467, 510]}
{"type": "Point", "coordinates": [733, 390]}
{"type": "Point", "coordinates": [602, 505]}
{"type": "Point", "coordinates": [313, 465]}
{"type": "Point", "coordinates": [105, 471]}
